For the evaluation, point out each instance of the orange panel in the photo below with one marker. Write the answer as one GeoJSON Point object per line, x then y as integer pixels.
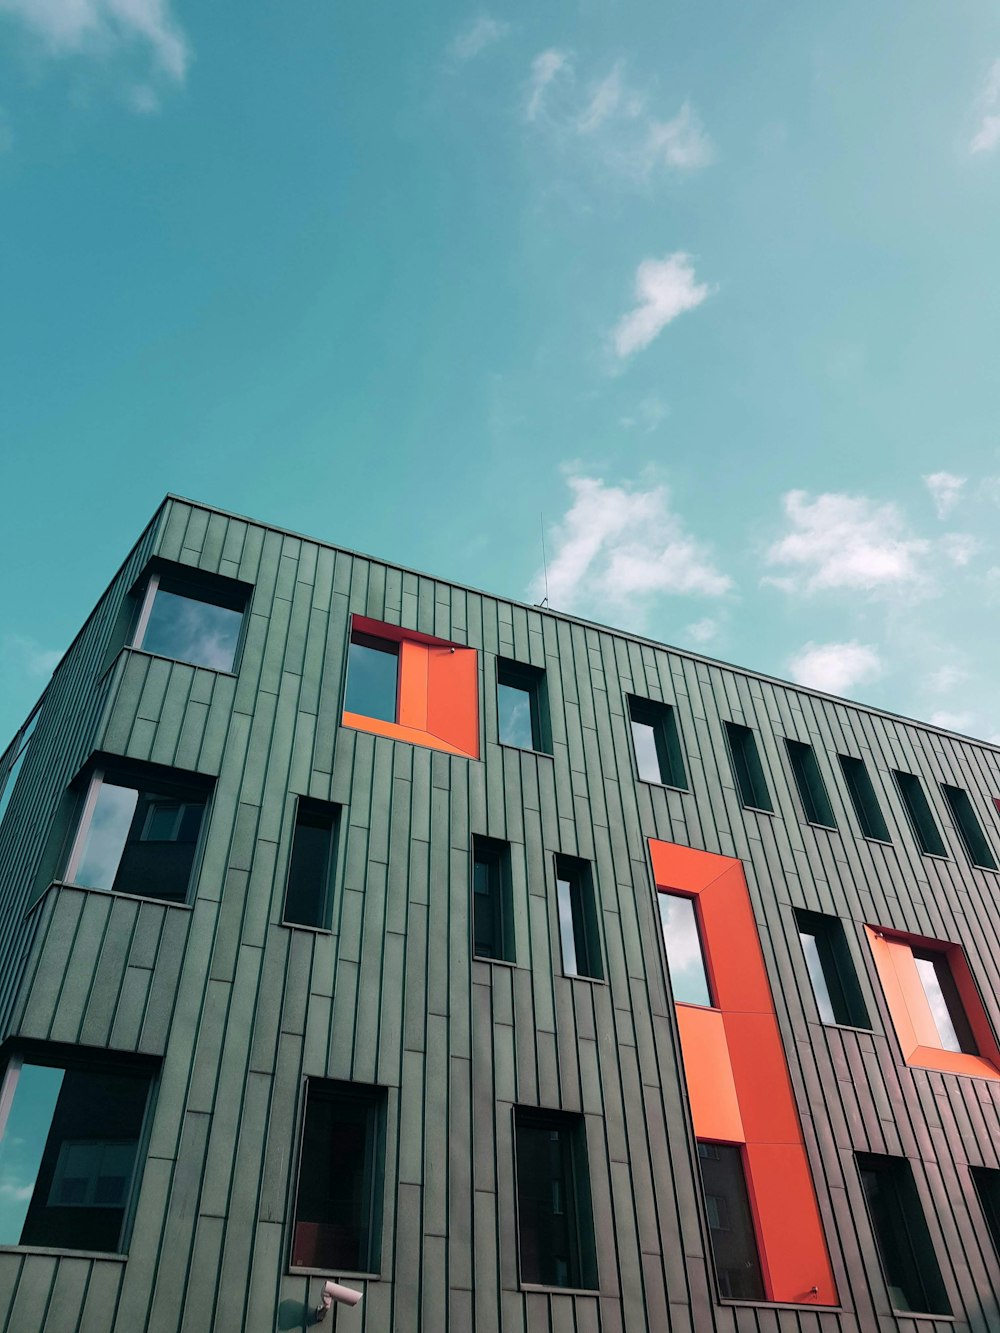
{"type": "Point", "coordinates": [412, 711]}
{"type": "Point", "coordinates": [892, 990]}
{"type": "Point", "coordinates": [767, 1107]}
{"type": "Point", "coordinates": [395, 732]}
{"type": "Point", "coordinates": [732, 945]}
{"type": "Point", "coordinates": [793, 1246]}
{"type": "Point", "coordinates": [715, 1109]}
{"type": "Point", "coordinates": [685, 868]}
{"type": "Point", "coordinates": [453, 697]}
{"type": "Point", "coordinates": [912, 993]}
{"type": "Point", "coordinates": [952, 1062]}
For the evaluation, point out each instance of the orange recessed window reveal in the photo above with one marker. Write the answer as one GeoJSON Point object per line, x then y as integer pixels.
{"type": "Point", "coordinates": [934, 1004]}
{"type": "Point", "coordinates": [739, 1093]}
{"type": "Point", "coordinates": [412, 687]}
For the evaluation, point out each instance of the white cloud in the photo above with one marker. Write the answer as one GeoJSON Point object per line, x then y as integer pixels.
{"type": "Point", "coordinates": [616, 545]}
{"type": "Point", "coordinates": [81, 27]}
{"type": "Point", "coordinates": [681, 142]}
{"type": "Point", "coordinates": [952, 721]}
{"type": "Point", "coordinates": [959, 547]}
{"type": "Point", "coordinates": [946, 678]}
{"type": "Point", "coordinates": [702, 631]}
{"type": "Point", "coordinates": [664, 289]}
{"type": "Point", "coordinates": [647, 414]}
{"type": "Point", "coordinates": [606, 99]}
{"type": "Point", "coordinates": [27, 655]}
{"type": "Point", "coordinates": [477, 36]}
{"type": "Point", "coordinates": [544, 68]}
{"type": "Point", "coordinates": [987, 136]}
{"type": "Point", "coordinates": [946, 491]}
{"type": "Point", "coordinates": [835, 668]}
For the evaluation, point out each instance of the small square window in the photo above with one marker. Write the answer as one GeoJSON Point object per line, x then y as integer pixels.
{"type": "Point", "coordinates": [904, 1243]}
{"type": "Point", "coordinates": [656, 742]}
{"type": "Point", "coordinates": [730, 1222]}
{"type": "Point", "coordinates": [191, 619]}
{"type": "Point", "coordinates": [685, 956]}
{"type": "Point", "coordinates": [554, 1214]}
{"type": "Point", "coordinates": [308, 890]}
{"type": "Point", "coordinates": [863, 798]}
{"type": "Point", "coordinates": [578, 930]}
{"type": "Point", "coordinates": [811, 787]}
{"type": "Point", "coordinates": [747, 769]}
{"type": "Point", "coordinates": [918, 811]}
{"type": "Point", "coordinates": [372, 677]}
{"type": "Point", "coordinates": [977, 849]}
{"type": "Point", "coordinates": [492, 915]}
{"type": "Point", "coordinates": [521, 707]}
{"type": "Point", "coordinates": [831, 970]}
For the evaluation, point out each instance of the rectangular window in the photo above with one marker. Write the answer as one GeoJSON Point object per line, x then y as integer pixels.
{"type": "Point", "coordinates": [337, 1219]}
{"type": "Point", "coordinates": [372, 677]}
{"type": "Point", "coordinates": [138, 834]}
{"type": "Point", "coordinates": [747, 769]}
{"type": "Point", "coordinates": [987, 1183]}
{"type": "Point", "coordinates": [69, 1152]}
{"type": "Point", "coordinates": [198, 621]}
{"type": "Point", "coordinates": [657, 743]}
{"type": "Point", "coordinates": [685, 956]}
{"type": "Point", "coordinates": [10, 764]}
{"type": "Point", "coordinates": [831, 970]}
{"type": "Point", "coordinates": [578, 931]}
{"type": "Point", "coordinates": [977, 849]}
{"type": "Point", "coordinates": [521, 711]}
{"type": "Point", "coordinates": [809, 781]}
{"type": "Point", "coordinates": [730, 1222]}
{"type": "Point", "coordinates": [308, 891]}
{"type": "Point", "coordinates": [946, 1008]}
{"type": "Point", "coordinates": [904, 1244]}
{"type": "Point", "coordinates": [492, 918]}
{"type": "Point", "coordinates": [925, 830]}
{"type": "Point", "coordinates": [554, 1214]}
{"type": "Point", "coordinates": [863, 798]}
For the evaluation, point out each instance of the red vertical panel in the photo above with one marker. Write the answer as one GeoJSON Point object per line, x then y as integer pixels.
{"type": "Point", "coordinates": [453, 697]}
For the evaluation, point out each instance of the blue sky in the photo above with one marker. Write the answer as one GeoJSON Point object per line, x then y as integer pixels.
{"type": "Point", "coordinates": [710, 291]}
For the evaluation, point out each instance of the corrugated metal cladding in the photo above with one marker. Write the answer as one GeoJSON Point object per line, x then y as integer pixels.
{"type": "Point", "coordinates": [239, 1008]}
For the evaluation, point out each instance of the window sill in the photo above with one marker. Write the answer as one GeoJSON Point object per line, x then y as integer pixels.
{"type": "Point", "coordinates": [56, 1253]}
{"type": "Point", "coordinates": [934, 856]}
{"type": "Point", "coordinates": [108, 893]}
{"type": "Point", "coordinates": [879, 842]}
{"type": "Point", "coordinates": [560, 1291]}
{"type": "Point", "coordinates": [919, 1314]}
{"type": "Point", "coordinates": [987, 870]}
{"type": "Point", "coordinates": [759, 810]}
{"type": "Point", "coordinates": [494, 962]}
{"type": "Point", "coordinates": [195, 666]}
{"type": "Point", "coordinates": [578, 976]}
{"type": "Point", "coordinates": [825, 828]}
{"type": "Point", "coordinates": [313, 930]}
{"type": "Point", "coordinates": [777, 1305]}
{"type": "Point", "coordinates": [521, 749]}
{"type": "Point", "coordinates": [341, 1273]}
{"type": "Point", "coordinates": [663, 786]}
{"type": "Point", "coordinates": [848, 1027]}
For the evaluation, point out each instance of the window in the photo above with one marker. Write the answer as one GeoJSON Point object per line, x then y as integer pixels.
{"type": "Point", "coordinates": [973, 839]}
{"type": "Point", "coordinates": [952, 1026]}
{"type": "Point", "coordinates": [554, 1214]}
{"type": "Point", "coordinates": [10, 764]}
{"type": "Point", "coordinates": [138, 834]}
{"type": "Point", "coordinates": [69, 1152]}
{"type": "Point", "coordinates": [194, 620]}
{"type": "Point", "coordinates": [904, 1244]}
{"type": "Point", "coordinates": [492, 918]}
{"type": "Point", "coordinates": [337, 1219]}
{"type": "Point", "coordinates": [831, 971]}
{"type": "Point", "coordinates": [657, 744]}
{"type": "Point", "coordinates": [578, 932]}
{"type": "Point", "coordinates": [685, 956]}
{"type": "Point", "coordinates": [522, 716]}
{"type": "Point", "coordinates": [987, 1183]}
{"type": "Point", "coordinates": [372, 677]}
{"type": "Point", "coordinates": [311, 864]}
{"type": "Point", "coordinates": [747, 768]}
{"type": "Point", "coordinates": [809, 781]}
{"type": "Point", "coordinates": [730, 1223]}
{"type": "Point", "coordinates": [863, 798]}
{"type": "Point", "coordinates": [919, 812]}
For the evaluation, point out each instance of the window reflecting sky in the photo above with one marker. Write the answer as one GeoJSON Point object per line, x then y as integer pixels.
{"type": "Point", "coordinates": [688, 979]}
{"type": "Point", "coordinates": [566, 932]}
{"type": "Point", "coordinates": [644, 739]}
{"type": "Point", "coordinates": [939, 1007]}
{"type": "Point", "coordinates": [514, 707]}
{"type": "Point", "coordinates": [105, 838]}
{"type": "Point", "coordinates": [192, 631]}
{"type": "Point", "coordinates": [23, 1144]}
{"type": "Point", "coordinates": [817, 976]}
{"type": "Point", "coordinates": [372, 675]}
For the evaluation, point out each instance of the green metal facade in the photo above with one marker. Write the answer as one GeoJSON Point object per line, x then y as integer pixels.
{"type": "Point", "coordinates": [238, 1009]}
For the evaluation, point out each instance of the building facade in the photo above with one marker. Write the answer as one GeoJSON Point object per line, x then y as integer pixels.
{"type": "Point", "coordinates": [523, 974]}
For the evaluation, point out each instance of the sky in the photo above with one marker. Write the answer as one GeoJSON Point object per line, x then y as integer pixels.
{"type": "Point", "coordinates": [706, 295]}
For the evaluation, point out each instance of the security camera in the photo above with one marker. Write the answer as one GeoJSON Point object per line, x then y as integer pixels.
{"type": "Point", "coordinates": [333, 1291]}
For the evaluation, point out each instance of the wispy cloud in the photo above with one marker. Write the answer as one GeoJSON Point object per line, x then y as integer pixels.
{"type": "Point", "coordinates": [945, 490]}
{"type": "Point", "coordinates": [945, 678]}
{"type": "Point", "coordinates": [987, 135]}
{"type": "Point", "coordinates": [544, 69]}
{"type": "Point", "coordinates": [835, 668]}
{"type": "Point", "coordinates": [702, 631]}
{"type": "Point", "coordinates": [617, 546]}
{"type": "Point", "coordinates": [664, 289]}
{"type": "Point", "coordinates": [682, 142]}
{"type": "Point", "coordinates": [647, 415]}
{"type": "Point", "coordinates": [28, 656]}
{"type": "Point", "coordinates": [950, 721]}
{"type": "Point", "coordinates": [482, 32]}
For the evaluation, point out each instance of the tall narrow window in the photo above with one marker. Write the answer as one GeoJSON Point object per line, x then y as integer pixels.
{"type": "Point", "coordinates": [863, 798]}
{"type": "Point", "coordinates": [730, 1223]}
{"type": "Point", "coordinates": [831, 970]}
{"type": "Point", "coordinates": [987, 1183]}
{"type": "Point", "coordinates": [904, 1244]}
{"type": "Point", "coordinates": [554, 1214]}
{"type": "Point", "coordinates": [492, 918]}
{"type": "Point", "coordinates": [945, 1004]}
{"type": "Point", "coordinates": [969, 829]}
{"type": "Point", "coordinates": [10, 765]}
{"type": "Point", "coordinates": [685, 958]}
{"type": "Point", "coordinates": [747, 769]}
{"type": "Point", "coordinates": [372, 677]}
{"type": "Point", "coordinates": [198, 621]}
{"type": "Point", "coordinates": [69, 1152]}
{"type": "Point", "coordinates": [311, 864]}
{"type": "Point", "coordinates": [657, 744]}
{"type": "Point", "coordinates": [809, 781]}
{"type": "Point", "coordinates": [337, 1220]}
{"type": "Point", "coordinates": [578, 932]}
{"type": "Point", "coordinates": [925, 830]}
{"type": "Point", "coordinates": [521, 708]}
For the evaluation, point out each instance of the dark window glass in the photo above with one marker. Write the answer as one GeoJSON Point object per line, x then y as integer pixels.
{"type": "Point", "coordinates": [492, 923]}
{"type": "Point", "coordinates": [831, 970]}
{"type": "Point", "coordinates": [521, 712]}
{"type": "Point", "coordinates": [68, 1155]}
{"type": "Point", "coordinates": [194, 624]}
{"type": "Point", "coordinates": [578, 933]}
{"type": "Point", "coordinates": [863, 798]}
{"type": "Point", "coordinates": [310, 867]}
{"type": "Point", "coordinates": [945, 1003]}
{"type": "Point", "coordinates": [685, 959]}
{"type": "Point", "coordinates": [10, 765]}
{"type": "Point", "coordinates": [730, 1223]}
{"type": "Point", "coordinates": [987, 1182]}
{"type": "Point", "coordinates": [809, 781]}
{"type": "Point", "coordinates": [904, 1243]}
{"type": "Point", "coordinates": [657, 744]}
{"type": "Point", "coordinates": [372, 677]}
{"type": "Point", "coordinates": [747, 768]}
{"type": "Point", "coordinates": [139, 837]}
{"type": "Point", "coordinates": [554, 1215]}
{"type": "Point", "coordinates": [919, 812]}
{"type": "Point", "coordinates": [973, 839]}
{"type": "Point", "coordinates": [336, 1219]}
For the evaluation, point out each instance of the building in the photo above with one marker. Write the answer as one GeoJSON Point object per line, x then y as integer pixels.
{"type": "Point", "coordinates": [524, 974]}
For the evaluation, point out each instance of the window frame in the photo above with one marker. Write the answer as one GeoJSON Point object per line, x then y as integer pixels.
{"type": "Point", "coordinates": [814, 796]}
{"type": "Point", "coordinates": [332, 861]}
{"type": "Point", "coordinates": [986, 1183]}
{"type": "Point", "coordinates": [195, 578]}
{"type": "Point", "coordinates": [856, 776]}
{"type": "Point", "coordinates": [710, 987]}
{"type": "Point", "coordinates": [497, 853]}
{"type": "Point", "coordinates": [374, 643]}
{"type": "Point", "coordinates": [904, 1183]}
{"type": "Point", "coordinates": [920, 815]}
{"type": "Point", "coordinates": [968, 827]}
{"type": "Point", "coordinates": [737, 1151]}
{"type": "Point", "coordinates": [834, 955]}
{"type": "Point", "coordinates": [668, 740]}
{"type": "Point", "coordinates": [583, 1237]}
{"type": "Point", "coordinates": [736, 758]}
{"type": "Point", "coordinates": [585, 914]}
{"type": "Point", "coordinates": [531, 680]}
